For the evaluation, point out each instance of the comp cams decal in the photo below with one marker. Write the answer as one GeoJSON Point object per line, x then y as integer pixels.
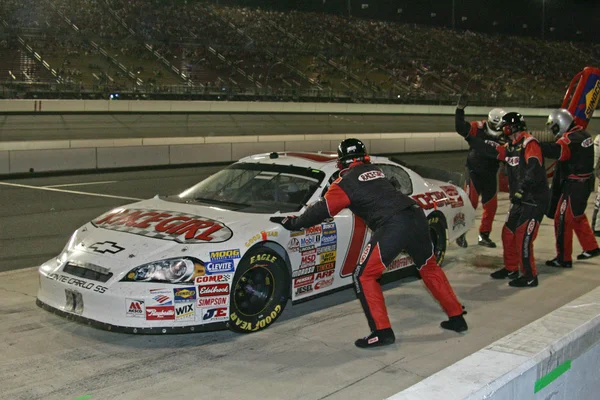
{"type": "Point", "coordinates": [165, 225]}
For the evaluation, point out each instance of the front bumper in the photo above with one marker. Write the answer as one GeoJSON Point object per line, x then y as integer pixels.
{"type": "Point", "coordinates": [104, 306]}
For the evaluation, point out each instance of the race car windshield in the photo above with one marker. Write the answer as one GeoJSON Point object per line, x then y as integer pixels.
{"type": "Point", "coordinates": [260, 188]}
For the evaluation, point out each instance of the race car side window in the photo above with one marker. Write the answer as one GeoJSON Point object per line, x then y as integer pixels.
{"type": "Point", "coordinates": [398, 176]}
{"type": "Point", "coordinates": [331, 179]}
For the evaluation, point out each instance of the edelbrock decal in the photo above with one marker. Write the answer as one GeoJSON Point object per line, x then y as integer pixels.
{"type": "Point", "coordinates": [165, 225]}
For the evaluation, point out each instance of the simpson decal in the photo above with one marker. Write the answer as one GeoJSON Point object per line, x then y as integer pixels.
{"type": "Point", "coordinates": [165, 225]}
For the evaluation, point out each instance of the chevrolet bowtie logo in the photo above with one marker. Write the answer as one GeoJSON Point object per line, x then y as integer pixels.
{"type": "Point", "coordinates": [106, 247]}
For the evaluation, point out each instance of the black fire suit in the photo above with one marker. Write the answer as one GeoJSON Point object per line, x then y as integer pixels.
{"type": "Point", "coordinates": [397, 222]}
{"type": "Point", "coordinates": [527, 177]}
{"type": "Point", "coordinates": [572, 184]}
{"type": "Point", "coordinates": [482, 171]}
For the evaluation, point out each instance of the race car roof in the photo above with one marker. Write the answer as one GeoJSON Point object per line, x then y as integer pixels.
{"type": "Point", "coordinates": [317, 160]}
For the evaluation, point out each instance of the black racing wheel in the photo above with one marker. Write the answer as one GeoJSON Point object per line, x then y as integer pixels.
{"type": "Point", "coordinates": [439, 236]}
{"type": "Point", "coordinates": [260, 291]}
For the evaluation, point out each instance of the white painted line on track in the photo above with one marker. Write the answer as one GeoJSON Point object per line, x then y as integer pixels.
{"type": "Point", "coordinates": [110, 196]}
{"type": "Point", "coordinates": [80, 184]}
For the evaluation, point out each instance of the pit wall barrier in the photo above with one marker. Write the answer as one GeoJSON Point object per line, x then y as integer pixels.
{"type": "Point", "coordinates": [556, 357]}
{"type": "Point", "coordinates": [158, 106]}
{"type": "Point", "coordinates": [83, 154]}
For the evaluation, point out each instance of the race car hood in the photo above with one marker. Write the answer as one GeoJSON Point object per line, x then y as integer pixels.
{"type": "Point", "coordinates": [156, 229]}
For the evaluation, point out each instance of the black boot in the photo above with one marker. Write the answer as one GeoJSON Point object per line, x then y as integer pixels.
{"type": "Point", "coordinates": [462, 241]}
{"type": "Point", "coordinates": [524, 281]}
{"type": "Point", "coordinates": [456, 324]}
{"type": "Point", "coordinates": [504, 273]}
{"type": "Point", "coordinates": [555, 262]}
{"type": "Point", "coordinates": [484, 240]}
{"type": "Point", "coordinates": [589, 254]}
{"type": "Point", "coordinates": [381, 337]}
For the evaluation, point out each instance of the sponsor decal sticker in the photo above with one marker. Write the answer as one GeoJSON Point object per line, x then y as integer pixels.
{"type": "Point", "coordinates": [326, 249]}
{"type": "Point", "coordinates": [106, 247]}
{"type": "Point", "coordinates": [135, 308]}
{"type": "Point", "coordinates": [213, 301]}
{"type": "Point", "coordinates": [224, 255]}
{"type": "Point", "coordinates": [459, 221]}
{"type": "Point", "coordinates": [313, 240]}
{"type": "Point", "coordinates": [219, 267]}
{"type": "Point", "coordinates": [163, 300]}
{"type": "Point", "coordinates": [434, 200]}
{"type": "Point", "coordinates": [303, 271]}
{"type": "Point", "coordinates": [512, 161]}
{"type": "Point", "coordinates": [77, 282]}
{"type": "Point", "coordinates": [201, 280]}
{"type": "Point", "coordinates": [165, 225]}
{"type": "Point", "coordinates": [261, 236]}
{"type": "Point", "coordinates": [184, 311]}
{"type": "Point", "coordinates": [329, 239]}
{"type": "Point", "coordinates": [215, 314]}
{"type": "Point", "coordinates": [304, 280]}
{"type": "Point", "coordinates": [218, 289]}
{"type": "Point", "coordinates": [328, 257]}
{"type": "Point", "coordinates": [324, 283]}
{"type": "Point", "coordinates": [184, 294]}
{"type": "Point", "coordinates": [324, 274]}
{"type": "Point", "coordinates": [370, 175]}
{"type": "Point", "coordinates": [308, 260]}
{"type": "Point", "coordinates": [301, 291]}
{"type": "Point", "coordinates": [325, 267]}
{"type": "Point", "coordinates": [453, 196]}
{"type": "Point", "coordinates": [158, 313]}
{"type": "Point", "coordinates": [293, 244]}
{"type": "Point", "coordinates": [313, 230]}
{"type": "Point", "coordinates": [159, 291]}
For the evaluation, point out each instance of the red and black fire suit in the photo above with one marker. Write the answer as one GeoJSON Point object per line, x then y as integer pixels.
{"type": "Point", "coordinates": [572, 184]}
{"type": "Point", "coordinates": [482, 171]}
{"type": "Point", "coordinates": [526, 175]}
{"type": "Point", "coordinates": [397, 222]}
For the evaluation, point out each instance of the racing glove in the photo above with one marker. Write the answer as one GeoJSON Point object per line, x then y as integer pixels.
{"type": "Point", "coordinates": [289, 223]}
{"type": "Point", "coordinates": [517, 197]}
{"type": "Point", "coordinates": [463, 101]}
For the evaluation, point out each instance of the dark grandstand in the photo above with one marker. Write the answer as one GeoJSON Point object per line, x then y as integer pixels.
{"type": "Point", "coordinates": [345, 51]}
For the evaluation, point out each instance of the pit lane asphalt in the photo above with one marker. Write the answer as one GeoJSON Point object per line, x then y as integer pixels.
{"type": "Point", "coordinates": [117, 126]}
{"type": "Point", "coordinates": [307, 354]}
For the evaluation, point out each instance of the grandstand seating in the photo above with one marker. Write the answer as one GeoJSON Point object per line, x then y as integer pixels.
{"type": "Point", "coordinates": [157, 46]}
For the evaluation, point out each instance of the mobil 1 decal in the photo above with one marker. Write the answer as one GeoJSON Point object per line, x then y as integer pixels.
{"type": "Point", "coordinates": [166, 225]}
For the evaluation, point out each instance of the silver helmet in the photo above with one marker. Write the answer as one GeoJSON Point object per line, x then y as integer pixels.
{"type": "Point", "coordinates": [559, 121]}
{"type": "Point", "coordinates": [493, 122]}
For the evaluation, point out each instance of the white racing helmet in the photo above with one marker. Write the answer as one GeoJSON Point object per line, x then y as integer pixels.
{"type": "Point", "coordinates": [559, 121]}
{"type": "Point", "coordinates": [493, 122]}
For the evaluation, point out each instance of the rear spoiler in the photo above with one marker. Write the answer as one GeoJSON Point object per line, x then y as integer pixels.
{"type": "Point", "coordinates": [456, 178]}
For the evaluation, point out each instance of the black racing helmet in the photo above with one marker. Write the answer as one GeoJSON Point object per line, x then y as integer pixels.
{"type": "Point", "coordinates": [512, 122]}
{"type": "Point", "coordinates": [349, 151]}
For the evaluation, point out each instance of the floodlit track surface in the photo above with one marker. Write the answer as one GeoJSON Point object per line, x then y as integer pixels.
{"type": "Point", "coordinates": [117, 126]}
{"type": "Point", "coordinates": [307, 354]}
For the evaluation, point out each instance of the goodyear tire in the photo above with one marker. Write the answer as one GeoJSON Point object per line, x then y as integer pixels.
{"type": "Point", "coordinates": [259, 292]}
{"type": "Point", "coordinates": [439, 236]}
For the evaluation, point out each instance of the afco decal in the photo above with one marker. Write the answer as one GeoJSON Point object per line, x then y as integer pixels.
{"type": "Point", "coordinates": [165, 225]}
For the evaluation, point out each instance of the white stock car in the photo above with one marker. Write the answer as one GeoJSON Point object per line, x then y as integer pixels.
{"type": "Point", "coordinates": [209, 258]}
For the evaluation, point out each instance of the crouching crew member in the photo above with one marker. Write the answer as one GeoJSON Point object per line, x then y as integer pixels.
{"type": "Point", "coordinates": [572, 184]}
{"type": "Point", "coordinates": [397, 222]}
{"type": "Point", "coordinates": [482, 171]}
{"type": "Point", "coordinates": [529, 196]}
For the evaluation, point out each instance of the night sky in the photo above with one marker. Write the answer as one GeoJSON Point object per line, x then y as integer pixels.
{"type": "Point", "coordinates": [563, 19]}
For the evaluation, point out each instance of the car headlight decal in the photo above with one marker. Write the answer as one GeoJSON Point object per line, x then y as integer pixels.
{"type": "Point", "coordinates": [171, 270]}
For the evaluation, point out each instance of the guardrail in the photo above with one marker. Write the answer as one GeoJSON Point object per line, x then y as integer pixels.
{"type": "Point", "coordinates": [557, 356]}
{"type": "Point", "coordinates": [96, 154]}
{"type": "Point", "coordinates": [159, 106]}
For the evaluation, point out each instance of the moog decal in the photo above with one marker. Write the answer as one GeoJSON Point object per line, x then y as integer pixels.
{"type": "Point", "coordinates": [165, 225]}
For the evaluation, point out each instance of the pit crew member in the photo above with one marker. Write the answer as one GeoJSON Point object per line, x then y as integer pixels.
{"type": "Point", "coordinates": [529, 196]}
{"type": "Point", "coordinates": [397, 222]}
{"type": "Point", "coordinates": [572, 184]}
{"type": "Point", "coordinates": [482, 172]}
{"type": "Point", "coordinates": [595, 217]}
